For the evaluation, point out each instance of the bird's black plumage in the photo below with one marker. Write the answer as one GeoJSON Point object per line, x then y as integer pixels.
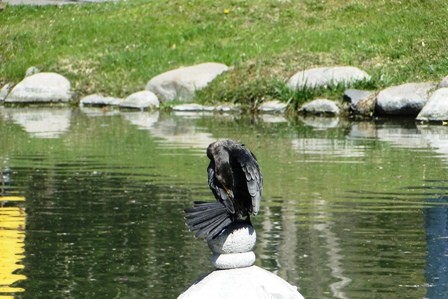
{"type": "Point", "coordinates": [236, 182]}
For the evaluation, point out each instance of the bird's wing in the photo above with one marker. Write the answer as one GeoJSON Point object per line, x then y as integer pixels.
{"type": "Point", "coordinates": [217, 189]}
{"type": "Point", "coordinates": [254, 179]}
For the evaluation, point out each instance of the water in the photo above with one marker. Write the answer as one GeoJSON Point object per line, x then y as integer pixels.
{"type": "Point", "coordinates": [91, 203]}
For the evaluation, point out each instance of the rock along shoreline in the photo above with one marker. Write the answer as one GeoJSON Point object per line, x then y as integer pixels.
{"type": "Point", "coordinates": [424, 101]}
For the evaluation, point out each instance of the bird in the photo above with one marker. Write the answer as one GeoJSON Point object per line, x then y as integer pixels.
{"type": "Point", "coordinates": [236, 182]}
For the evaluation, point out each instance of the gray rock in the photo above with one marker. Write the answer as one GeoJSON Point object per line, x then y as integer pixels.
{"type": "Point", "coordinates": [436, 109]}
{"type": "Point", "coordinates": [4, 91]}
{"type": "Point", "coordinates": [99, 100]}
{"type": "Point", "coordinates": [325, 76]}
{"type": "Point", "coordinates": [273, 106]}
{"type": "Point", "coordinates": [141, 100]}
{"type": "Point", "coordinates": [31, 71]}
{"type": "Point", "coordinates": [403, 100]}
{"type": "Point", "coordinates": [320, 107]}
{"type": "Point", "coordinates": [443, 83]}
{"type": "Point", "coordinates": [182, 83]}
{"type": "Point", "coordinates": [41, 88]}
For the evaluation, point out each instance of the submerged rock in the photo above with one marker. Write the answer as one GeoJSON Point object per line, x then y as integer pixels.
{"type": "Point", "coordinates": [326, 76]}
{"type": "Point", "coordinates": [403, 100]}
{"type": "Point", "coordinates": [99, 100]}
{"type": "Point", "coordinates": [436, 109]}
{"type": "Point", "coordinates": [182, 83]}
{"type": "Point", "coordinates": [141, 100]}
{"type": "Point", "coordinates": [320, 107]}
{"type": "Point", "coordinates": [41, 88]}
{"type": "Point", "coordinates": [192, 107]}
{"type": "Point", "coordinates": [273, 106]}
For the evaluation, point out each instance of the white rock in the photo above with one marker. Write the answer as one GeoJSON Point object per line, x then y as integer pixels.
{"type": "Point", "coordinates": [436, 109]}
{"type": "Point", "coordinates": [242, 283]}
{"type": "Point", "coordinates": [41, 88]}
{"type": "Point", "coordinates": [233, 260]}
{"type": "Point", "coordinates": [232, 248]}
{"type": "Point", "coordinates": [182, 83]}
{"type": "Point", "coordinates": [141, 100]}
{"type": "Point", "coordinates": [325, 76]}
{"type": "Point", "coordinates": [236, 238]}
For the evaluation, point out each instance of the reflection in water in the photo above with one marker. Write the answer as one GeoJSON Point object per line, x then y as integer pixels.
{"type": "Point", "coordinates": [104, 205]}
{"type": "Point", "coordinates": [12, 235]}
{"type": "Point", "coordinates": [436, 227]}
{"type": "Point", "coordinates": [321, 123]}
{"type": "Point", "coordinates": [174, 132]}
{"type": "Point", "coordinates": [332, 244]}
{"type": "Point", "coordinates": [334, 148]}
{"type": "Point", "coordinates": [49, 122]}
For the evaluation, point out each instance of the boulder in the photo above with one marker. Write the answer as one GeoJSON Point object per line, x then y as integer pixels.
{"type": "Point", "coordinates": [403, 100]}
{"type": "Point", "coordinates": [99, 100]}
{"type": "Point", "coordinates": [436, 109]}
{"type": "Point", "coordinates": [182, 83]}
{"type": "Point", "coordinates": [320, 107]}
{"type": "Point", "coordinates": [141, 100]}
{"type": "Point", "coordinates": [41, 88]}
{"type": "Point", "coordinates": [241, 283]}
{"type": "Point", "coordinates": [326, 76]}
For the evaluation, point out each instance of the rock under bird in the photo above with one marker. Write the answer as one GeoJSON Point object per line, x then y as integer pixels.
{"type": "Point", "coordinates": [235, 179]}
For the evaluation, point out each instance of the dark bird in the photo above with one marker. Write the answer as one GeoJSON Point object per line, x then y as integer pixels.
{"type": "Point", "coordinates": [236, 182]}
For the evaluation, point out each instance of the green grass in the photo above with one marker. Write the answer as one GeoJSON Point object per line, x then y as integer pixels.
{"type": "Point", "coordinates": [115, 48]}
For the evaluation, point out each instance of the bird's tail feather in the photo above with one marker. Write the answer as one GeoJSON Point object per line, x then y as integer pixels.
{"type": "Point", "coordinates": [207, 219]}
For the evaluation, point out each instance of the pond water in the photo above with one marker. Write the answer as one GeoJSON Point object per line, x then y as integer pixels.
{"type": "Point", "coordinates": [91, 203]}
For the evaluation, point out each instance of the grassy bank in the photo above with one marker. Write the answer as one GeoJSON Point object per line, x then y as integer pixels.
{"type": "Point", "coordinates": [115, 48]}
